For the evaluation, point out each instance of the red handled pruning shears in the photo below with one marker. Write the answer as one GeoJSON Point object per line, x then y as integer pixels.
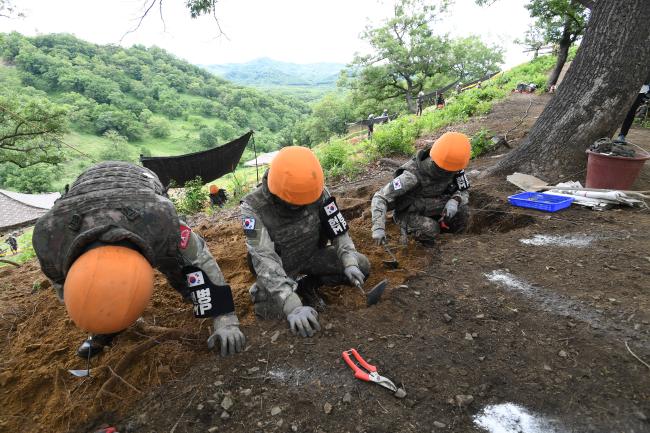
{"type": "Point", "coordinates": [371, 375]}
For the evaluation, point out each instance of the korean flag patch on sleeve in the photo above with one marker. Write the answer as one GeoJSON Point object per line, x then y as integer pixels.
{"type": "Point", "coordinates": [195, 279]}
{"type": "Point", "coordinates": [248, 223]}
{"type": "Point", "coordinates": [397, 184]}
{"type": "Point", "coordinates": [333, 222]}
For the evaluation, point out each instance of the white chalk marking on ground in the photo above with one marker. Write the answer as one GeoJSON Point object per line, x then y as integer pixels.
{"type": "Point", "coordinates": [577, 241]}
{"type": "Point", "coordinates": [548, 300]}
{"type": "Point", "coordinates": [510, 281]}
{"type": "Point", "coordinates": [511, 418]}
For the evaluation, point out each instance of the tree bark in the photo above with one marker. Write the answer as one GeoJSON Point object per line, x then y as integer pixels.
{"type": "Point", "coordinates": [594, 97]}
{"type": "Point", "coordinates": [562, 54]}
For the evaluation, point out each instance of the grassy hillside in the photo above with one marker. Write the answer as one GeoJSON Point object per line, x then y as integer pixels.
{"type": "Point", "coordinates": [127, 102]}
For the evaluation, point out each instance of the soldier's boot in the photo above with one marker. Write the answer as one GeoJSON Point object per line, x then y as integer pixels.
{"type": "Point", "coordinates": [94, 345]}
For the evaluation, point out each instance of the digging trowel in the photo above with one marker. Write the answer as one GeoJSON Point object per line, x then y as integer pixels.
{"type": "Point", "coordinates": [82, 373]}
{"type": "Point", "coordinates": [392, 263]}
{"type": "Point", "coordinates": [373, 296]}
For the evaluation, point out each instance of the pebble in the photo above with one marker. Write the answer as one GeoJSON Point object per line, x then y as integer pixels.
{"type": "Point", "coordinates": [213, 429]}
{"type": "Point", "coordinates": [474, 335]}
{"type": "Point", "coordinates": [218, 383]}
{"type": "Point", "coordinates": [400, 393]}
{"type": "Point", "coordinates": [225, 415]}
{"type": "Point", "coordinates": [439, 424]}
{"type": "Point", "coordinates": [464, 400]}
{"type": "Point", "coordinates": [327, 408]}
{"type": "Point", "coordinates": [562, 354]}
{"type": "Point", "coordinates": [480, 316]}
{"type": "Point", "coordinates": [328, 327]}
{"type": "Point", "coordinates": [547, 367]}
{"type": "Point", "coordinates": [253, 370]}
{"type": "Point", "coordinates": [294, 427]}
{"type": "Point", "coordinates": [481, 358]}
{"type": "Point", "coordinates": [226, 403]}
{"type": "Point", "coordinates": [347, 398]}
{"type": "Point", "coordinates": [279, 423]}
{"type": "Point", "coordinates": [468, 336]}
{"type": "Point", "coordinates": [275, 336]}
{"type": "Point", "coordinates": [275, 410]}
{"type": "Point", "coordinates": [446, 317]}
{"type": "Point", "coordinates": [199, 406]}
{"type": "Point", "coordinates": [246, 392]}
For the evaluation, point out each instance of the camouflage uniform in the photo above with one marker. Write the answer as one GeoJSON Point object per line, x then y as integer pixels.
{"type": "Point", "coordinates": [120, 203]}
{"type": "Point", "coordinates": [418, 194]}
{"type": "Point", "coordinates": [285, 242]}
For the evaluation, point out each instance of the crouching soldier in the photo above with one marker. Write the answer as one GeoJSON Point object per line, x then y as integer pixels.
{"type": "Point", "coordinates": [100, 243]}
{"type": "Point", "coordinates": [293, 228]}
{"type": "Point", "coordinates": [429, 194]}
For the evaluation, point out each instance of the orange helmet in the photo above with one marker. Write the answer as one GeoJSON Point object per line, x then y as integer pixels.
{"type": "Point", "coordinates": [107, 289]}
{"type": "Point", "coordinates": [296, 176]}
{"type": "Point", "coordinates": [214, 189]}
{"type": "Point", "coordinates": [451, 151]}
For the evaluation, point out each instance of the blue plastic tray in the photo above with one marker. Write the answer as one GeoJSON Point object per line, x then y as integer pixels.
{"type": "Point", "coordinates": [539, 201]}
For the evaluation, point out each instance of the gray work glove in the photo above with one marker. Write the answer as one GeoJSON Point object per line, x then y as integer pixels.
{"type": "Point", "coordinates": [379, 236]}
{"type": "Point", "coordinates": [354, 275]}
{"type": "Point", "coordinates": [303, 320]}
{"type": "Point", "coordinates": [226, 329]}
{"type": "Point", "coordinates": [451, 208]}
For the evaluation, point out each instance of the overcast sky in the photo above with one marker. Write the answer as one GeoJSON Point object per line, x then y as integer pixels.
{"type": "Point", "coordinates": [300, 31]}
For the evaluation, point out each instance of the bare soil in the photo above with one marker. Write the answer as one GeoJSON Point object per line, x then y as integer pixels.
{"type": "Point", "coordinates": [481, 314]}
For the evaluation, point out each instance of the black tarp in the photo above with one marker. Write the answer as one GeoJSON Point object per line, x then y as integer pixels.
{"type": "Point", "coordinates": [209, 164]}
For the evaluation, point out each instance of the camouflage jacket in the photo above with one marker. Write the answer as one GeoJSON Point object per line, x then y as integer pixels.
{"type": "Point", "coordinates": [280, 239]}
{"type": "Point", "coordinates": [420, 187]}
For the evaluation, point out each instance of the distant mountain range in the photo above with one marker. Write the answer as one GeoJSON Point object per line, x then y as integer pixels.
{"type": "Point", "coordinates": [265, 72]}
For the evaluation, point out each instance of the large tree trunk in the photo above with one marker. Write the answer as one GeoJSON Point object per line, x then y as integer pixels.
{"type": "Point", "coordinates": [594, 97]}
{"type": "Point", "coordinates": [562, 54]}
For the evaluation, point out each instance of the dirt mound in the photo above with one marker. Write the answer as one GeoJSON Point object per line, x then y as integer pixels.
{"type": "Point", "coordinates": [39, 341]}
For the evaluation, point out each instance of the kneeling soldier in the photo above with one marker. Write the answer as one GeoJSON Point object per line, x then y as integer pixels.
{"type": "Point", "coordinates": [429, 194]}
{"type": "Point", "coordinates": [294, 228]}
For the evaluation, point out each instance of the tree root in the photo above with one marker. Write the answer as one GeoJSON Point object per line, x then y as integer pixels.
{"type": "Point", "coordinates": [164, 334]}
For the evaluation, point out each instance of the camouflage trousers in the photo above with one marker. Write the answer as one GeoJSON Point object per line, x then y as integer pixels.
{"type": "Point", "coordinates": [324, 268]}
{"type": "Point", "coordinates": [425, 229]}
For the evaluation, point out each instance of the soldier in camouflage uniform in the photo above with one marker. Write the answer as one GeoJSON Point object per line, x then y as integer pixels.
{"type": "Point", "coordinates": [429, 193]}
{"type": "Point", "coordinates": [293, 227]}
{"type": "Point", "coordinates": [122, 204]}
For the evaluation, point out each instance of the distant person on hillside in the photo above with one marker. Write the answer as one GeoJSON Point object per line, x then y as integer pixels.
{"type": "Point", "coordinates": [440, 101]}
{"type": "Point", "coordinates": [429, 194]}
{"type": "Point", "coordinates": [218, 196]}
{"type": "Point", "coordinates": [13, 243]}
{"type": "Point", "coordinates": [629, 118]}
{"type": "Point", "coordinates": [371, 125]}
{"type": "Point", "coordinates": [100, 243]}
{"type": "Point", "coordinates": [459, 87]}
{"type": "Point", "coordinates": [420, 102]}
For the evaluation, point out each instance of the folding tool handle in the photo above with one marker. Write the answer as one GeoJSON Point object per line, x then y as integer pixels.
{"type": "Point", "coordinates": [358, 373]}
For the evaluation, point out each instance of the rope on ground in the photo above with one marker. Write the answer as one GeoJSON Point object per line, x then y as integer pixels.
{"type": "Point", "coordinates": [530, 104]}
{"type": "Point", "coordinates": [637, 358]}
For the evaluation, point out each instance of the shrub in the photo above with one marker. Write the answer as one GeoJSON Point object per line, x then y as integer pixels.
{"type": "Point", "coordinates": [192, 199]}
{"type": "Point", "coordinates": [481, 142]}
